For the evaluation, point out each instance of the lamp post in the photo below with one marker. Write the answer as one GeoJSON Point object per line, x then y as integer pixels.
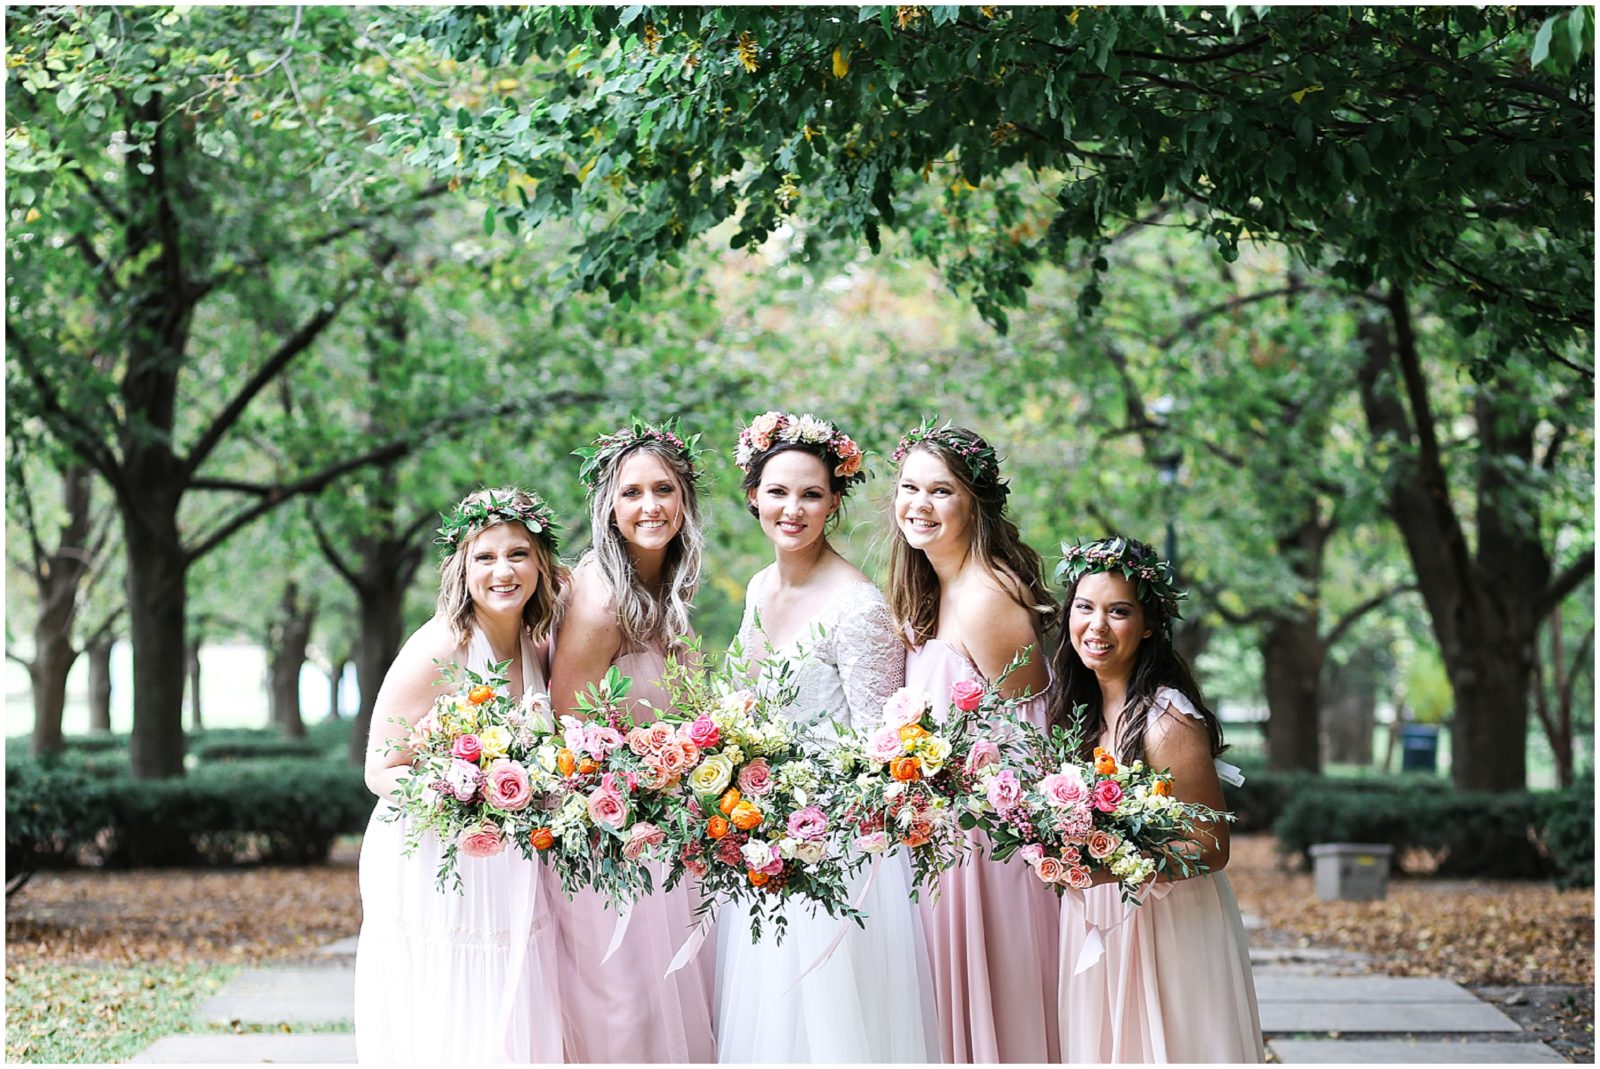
{"type": "Point", "coordinates": [1168, 459]}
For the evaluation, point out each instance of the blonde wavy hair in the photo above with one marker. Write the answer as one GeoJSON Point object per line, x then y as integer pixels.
{"type": "Point", "coordinates": [645, 615]}
{"type": "Point", "coordinates": [455, 607]}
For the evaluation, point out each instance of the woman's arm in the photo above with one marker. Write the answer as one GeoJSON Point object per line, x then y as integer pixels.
{"type": "Point", "coordinates": [994, 628]}
{"type": "Point", "coordinates": [408, 692]}
{"type": "Point", "coordinates": [589, 642]}
{"type": "Point", "coordinates": [1180, 743]}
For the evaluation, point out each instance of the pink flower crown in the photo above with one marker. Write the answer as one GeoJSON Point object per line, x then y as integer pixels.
{"type": "Point", "coordinates": [780, 428]}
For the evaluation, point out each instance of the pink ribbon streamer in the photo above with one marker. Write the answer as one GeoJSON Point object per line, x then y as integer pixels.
{"type": "Point", "coordinates": [1094, 936]}
{"type": "Point", "coordinates": [619, 931]}
{"type": "Point", "coordinates": [691, 945]}
{"type": "Point", "coordinates": [844, 926]}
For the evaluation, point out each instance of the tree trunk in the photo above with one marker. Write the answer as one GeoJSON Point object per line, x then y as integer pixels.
{"type": "Point", "coordinates": [1292, 652]}
{"type": "Point", "coordinates": [382, 631]}
{"type": "Point", "coordinates": [61, 574]}
{"type": "Point", "coordinates": [191, 671]}
{"type": "Point", "coordinates": [52, 660]}
{"type": "Point", "coordinates": [290, 639]}
{"type": "Point", "coordinates": [100, 686]}
{"type": "Point", "coordinates": [335, 681]}
{"type": "Point", "coordinates": [1350, 715]}
{"type": "Point", "coordinates": [156, 602]}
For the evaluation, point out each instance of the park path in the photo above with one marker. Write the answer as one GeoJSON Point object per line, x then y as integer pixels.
{"type": "Point", "coordinates": [1317, 1006]}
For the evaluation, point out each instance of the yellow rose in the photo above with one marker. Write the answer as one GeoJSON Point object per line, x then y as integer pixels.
{"type": "Point", "coordinates": [494, 741]}
{"type": "Point", "coordinates": [934, 751]}
{"type": "Point", "coordinates": [712, 776]}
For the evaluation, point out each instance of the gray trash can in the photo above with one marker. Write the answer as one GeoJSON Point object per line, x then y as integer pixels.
{"type": "Point", "coordinates": [1352, 872]}
{"type": "Point", "coordinates": [1419, 748]}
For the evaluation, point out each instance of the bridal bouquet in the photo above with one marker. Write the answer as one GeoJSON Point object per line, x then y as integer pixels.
{"type": "Point", "coordinates": [758, 825]}
{"type": "Point", "coordinates": [908, 783]}
{"type": "Point", "coordinates": [1067, 819]}
{"type": "Point", "coordinates": [473, 780]}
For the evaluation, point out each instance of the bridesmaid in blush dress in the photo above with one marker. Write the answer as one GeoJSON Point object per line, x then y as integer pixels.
{"type": "Point", "coordinates": [968, 594]}
{"type": "Point", "coordinates": [1173, 983]}
{"type": "Point", "coordinates": [445, 976]}
{"type": "Point", "coordinates": [627, 606]}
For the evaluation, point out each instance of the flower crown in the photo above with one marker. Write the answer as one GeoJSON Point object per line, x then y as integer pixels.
{"type": "Point", "coordinates": [608, 446]}
{"type": "Point", "coordinates": [1136, 561]}
{"type": "Point", "coordinates": [777, 428]}
{"type": "Point", "coordinates": [983, 464]}
{"type": "Point", "coordinates": [464, 520]}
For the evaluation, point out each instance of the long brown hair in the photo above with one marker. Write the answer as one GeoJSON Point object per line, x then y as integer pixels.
{"type": "Point", "coordinates": [913, 593]}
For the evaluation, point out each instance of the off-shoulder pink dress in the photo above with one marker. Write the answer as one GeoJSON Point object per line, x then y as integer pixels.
{"type": "Point", "coordinates": [623, 1010]}
{"type": "Point", "coordinates": [992, 932]}
{"type": "Point", "coordinates": [1174, 983]}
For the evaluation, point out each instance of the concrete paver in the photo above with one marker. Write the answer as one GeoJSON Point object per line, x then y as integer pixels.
{"type": "Point", "coordinates": [1275, 987]}
{"type": "Point", "coordinates": [302, 994]}
{"type": "Point", "coordinates": [245, 1049]}
{"type": "Point", "coordinates": [1411, 1051]}
{"type": "Point", "coordinates": [1279, 1018]}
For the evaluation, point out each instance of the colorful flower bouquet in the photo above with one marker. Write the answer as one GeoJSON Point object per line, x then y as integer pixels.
{"type": "Point", "coordinates": [1068, 819]}
{"type": "Point", "coordinates": [473, 781]}
{"type": "Point", "coordinates": [908, 783]}
{"type": "Point", "coordinates": [757, 826]}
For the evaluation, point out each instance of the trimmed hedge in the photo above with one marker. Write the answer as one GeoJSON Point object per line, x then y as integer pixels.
{"type": "Point", "coordinates": [1566, 831]}
{"type": "Point", "coordinates": [286, 811]}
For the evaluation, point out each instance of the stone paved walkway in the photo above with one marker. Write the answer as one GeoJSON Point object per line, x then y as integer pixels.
{"type": "Point", "coordinates": [1317, 1006]}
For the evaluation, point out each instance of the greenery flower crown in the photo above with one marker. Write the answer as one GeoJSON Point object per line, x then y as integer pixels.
{"type": "Point", "coordinates": [1152, 578]}
{"type": "Point", "coordinates": [778, 428]}
{"type": "Point", "coordinates": [607, 447]}
{"type": "Point", "coordinates": [983, 463]}
{"type": "Point", "coordinates": [536, 515]}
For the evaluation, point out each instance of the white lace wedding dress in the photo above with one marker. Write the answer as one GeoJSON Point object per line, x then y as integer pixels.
{"type": "Point", "coordinates": [873, 1000]}
{"type": "Point", "coordinates": [445, 978]}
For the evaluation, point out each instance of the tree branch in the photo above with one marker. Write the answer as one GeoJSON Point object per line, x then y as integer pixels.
{"type": "Point", "coordinates": [69, 426]}
{"type": "Point", "coordinates": [1349, 619]}
{"type": "Point", "coordinates": [292, 347]}
{"type": "Point", "coordinates": [1194, 319]}
{"type": "Point", "coordinates": [1569, 580]}
{"type": "Point", "coordinates": [330, 553]}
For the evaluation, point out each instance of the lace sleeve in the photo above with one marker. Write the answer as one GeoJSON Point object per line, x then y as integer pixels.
{"type": "Point", "coordinates": [747, 622]}
{"type": "Point", "coordinates": [871, 659]}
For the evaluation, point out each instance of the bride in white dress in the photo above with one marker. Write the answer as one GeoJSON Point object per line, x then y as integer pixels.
{"type": "Point", "coordinates": [872, 1001]}
{"type": "Point", "coordinates": [444, 977]}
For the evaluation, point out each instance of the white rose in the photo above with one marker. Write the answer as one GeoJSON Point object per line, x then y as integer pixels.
{"type": "Point", "coordinates": [786, 847]}
{"type": "Point", "coordinates": [757, 853]}
{"type": "Point", "coordinates": [811, 853]}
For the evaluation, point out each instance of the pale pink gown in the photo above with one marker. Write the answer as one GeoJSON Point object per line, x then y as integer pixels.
{"type": "Point", "coordinates": [992, 933]}
{"type": "Point", "coordinates": [1174, 984]}
{"type": "Point", "coordinates": [623, 1010]}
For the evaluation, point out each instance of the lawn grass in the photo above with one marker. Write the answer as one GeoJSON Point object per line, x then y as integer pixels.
{"type": "Point", "coordinates": [101, 1013]}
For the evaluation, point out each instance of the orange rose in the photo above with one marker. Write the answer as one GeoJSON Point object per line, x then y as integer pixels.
{"type": "Point", "coordinates": [716, 827]}
{"type": "Point", "coordinates": [480, 694]}
{"type": "Point", "coordinates": [587, 765]}
{"type": "Point", "coordinates": [565, 761]}
{"type": "Point", "coordinates": [1104, 763]}
{"type": "Point", "coordinates": [542, 839]}
{"type": "Point", "coordinates": [758, 878]}
{"type": "Point", "coordinates": [912, 731]}
{"type": "Point", "coordinates": [730, 798]}
{"type": "Point", "coordinates": [905, 769]}
{"type": "Point", "coordinates": [1161, 786]}
{"type": "Point", "coordinates": [746, 816]}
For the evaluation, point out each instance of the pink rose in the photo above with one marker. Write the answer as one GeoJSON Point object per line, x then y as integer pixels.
{"type": "Point", "coordinates": [639, 741]}
{"type": "Point", "coordinates": [1078, 877]}
{"type": "Point", "coordinates": [508, 786]}
{"type": "Point", "coordinates": [1076, 823]}
{"type": "Point", "coordinates": [906, 706]}
{"type": "Point", "coordinates": [1049, 869]}
{"type": "Point", "coordinates": [674, 758]}
{"type": "Point", "coordinates": [1102, 843]}
{"type": "Point", "coordinates": [966, 694]}
{"type": "Point", "coordinates": [608, 809]}
{"type": "Point", "coordinates": [482, 840]}
{"type": "Point", "coordinates": [1004, 790]}
{"type": "Point", "coordinates": [690, 752]}
{"type": "Point", "coordinates": [1064, 788]}
{"type": "Point", "coordinates": [602, 739]}
{"type": "Point", "coordinates": [659, 734]}
{"type": "Point", "coordinates": [755, 779]}
{"type": "Point", "coordinates": [763, 426]}
{"type": "Point", "coordinates": [463, 779]}
{"type": "Point", "coordinates": [641, 837]}
{"type": "Point", "coordinates": [1071, 856]}
{"type": "Point", "coordinates": [982, 754]}
{"type": "Point", "coordinates": [1107, 794]}
{"type": "Point", "coordinates": [654, 777]}
{"type": "Point", "coordinates": [699, 869]}
{"type": "Point", "coordinates": [466, 747]}
{"type": "Point", "coordinates": [1031, 853]}
{"type": "Point", "coordinates": [619, 783]}
{"type": "Point", "coordinates": [702, 732]}
{"type": "Point", "coordinates": [884, 745]}
{"type": "Point", "coordinates": [872, 843]}
{"type": "Point", "coordinates": [808, 824]}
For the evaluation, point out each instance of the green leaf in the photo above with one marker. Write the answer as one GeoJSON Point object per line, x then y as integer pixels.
{"type": "Point", "coordinates": [1541, 42]}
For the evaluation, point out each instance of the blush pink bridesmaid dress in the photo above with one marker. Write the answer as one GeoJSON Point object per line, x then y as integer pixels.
{"type": "Point", "coordinates": [623, 1010]}
{"type": "Point", "coordinates": [993, 933]}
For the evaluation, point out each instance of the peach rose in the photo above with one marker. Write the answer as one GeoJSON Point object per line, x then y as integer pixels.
{"type": "Point", "coordinates": [508, 786]}
{"type": "Point", "coordinates": [1078, 877]}
{"type": "Point", "coordinates": [482, 840]}
{"type": "Point", "coordinates": [1102, 843]}
{"type": "Point", "coordinates": [1049, 869]}
{"type": "Point", "coordinates": [641, 837]}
